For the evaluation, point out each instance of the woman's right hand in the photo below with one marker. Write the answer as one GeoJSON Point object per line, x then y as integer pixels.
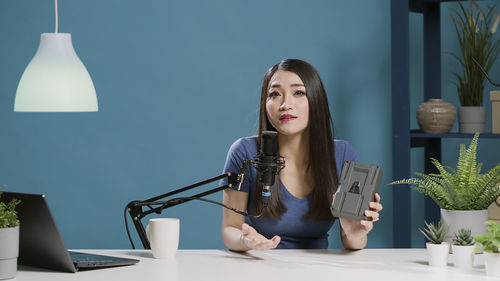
{"type": "Point", "coordinates": [256, 241]}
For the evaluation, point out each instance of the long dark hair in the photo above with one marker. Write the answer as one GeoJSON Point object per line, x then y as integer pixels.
{"type": "Point", "coordinates": [321, 145]}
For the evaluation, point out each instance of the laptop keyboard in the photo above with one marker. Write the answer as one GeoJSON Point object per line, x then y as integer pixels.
{"type": "Point", "coordinates": [77, 257]}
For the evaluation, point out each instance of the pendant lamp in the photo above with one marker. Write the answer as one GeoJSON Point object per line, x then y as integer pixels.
{"type": "Point", "coordinates": [55, 80]}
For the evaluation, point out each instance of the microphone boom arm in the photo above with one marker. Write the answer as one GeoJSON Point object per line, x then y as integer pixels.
{"type": "Point", "coordinates": [268, 163]}
{"type": "Point", "coordinates": [135, 208]}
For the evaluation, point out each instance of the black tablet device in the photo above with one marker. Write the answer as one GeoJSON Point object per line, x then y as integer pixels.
{"type": "Point", "coordinates": [358, 184]}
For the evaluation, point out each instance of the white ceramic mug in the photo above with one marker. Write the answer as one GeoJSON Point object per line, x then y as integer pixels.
{"type": "Point", "coordinates": [163, 236]}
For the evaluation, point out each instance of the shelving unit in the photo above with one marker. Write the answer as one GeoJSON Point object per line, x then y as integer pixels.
{"type": "Point", "coordinates": [403, 138]}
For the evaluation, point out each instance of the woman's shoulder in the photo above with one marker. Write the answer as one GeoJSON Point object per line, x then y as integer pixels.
{"type": "Point", "coordinates": [344, 149]}
{"type": "Point", "coordinates": [341, 144]}
{"type": "Point", "coordinates": [246, 142]}
{"type": "Point", "coordinates": [250, 140]}
{"type": "Point", "coordinates": [246, 145]}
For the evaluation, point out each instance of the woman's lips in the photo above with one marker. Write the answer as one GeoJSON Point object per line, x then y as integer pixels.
{"type": "Point", "coordinates": [287, 117]}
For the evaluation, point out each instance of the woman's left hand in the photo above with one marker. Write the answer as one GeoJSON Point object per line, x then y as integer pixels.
{"type": "Point", "coordinates": [359, 229]}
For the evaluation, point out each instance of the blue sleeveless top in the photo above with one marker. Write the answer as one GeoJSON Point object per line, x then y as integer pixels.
{"type": "Point", "coordinates": [295, 231]}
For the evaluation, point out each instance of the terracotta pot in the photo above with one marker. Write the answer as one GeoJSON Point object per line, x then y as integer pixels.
{"type": "Point", "coordinates": [436, 116]}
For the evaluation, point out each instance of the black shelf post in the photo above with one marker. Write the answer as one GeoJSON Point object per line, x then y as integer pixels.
{"type": "Point", "coordinates": [432, 89]}
{"type": "Point", "coordinates": [400, 66]}
{"type": "Point", "coordinates": [402, 142]}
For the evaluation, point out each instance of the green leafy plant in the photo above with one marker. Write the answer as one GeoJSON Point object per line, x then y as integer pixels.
{"type": "Point", "coordinates": [463, 237]}
{"type": "Point", "coordinates": [434, 232]}
{"type": "Point", "coordinates": [8, 214]}
{"type": "Point", "coordinates": [490, 241]}
{"type": "Point", "coordinates": [461, 189]}
{"type": "Point", "coordinates": [475, 31]}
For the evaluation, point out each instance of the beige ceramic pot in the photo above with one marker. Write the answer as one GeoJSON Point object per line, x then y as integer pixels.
{"type": "Point", "coordinates": [436, 116]}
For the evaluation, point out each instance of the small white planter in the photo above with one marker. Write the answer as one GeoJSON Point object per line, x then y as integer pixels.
{"type": "Point", "coordinates": [492, 263]}
{"type": "Point", "coordinates": [453, 220]}
{"type": "Point", "coordinates": [9, 243]}
{"type": "Point", "coordinates": [471, 119]}
{"type": "Point", "coordinates": [463, 256]}
{"type": "Point", "coordinates": [438, 254]}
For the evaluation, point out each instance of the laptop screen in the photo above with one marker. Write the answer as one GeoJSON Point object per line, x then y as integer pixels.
{"type": "Point", "coordinates": [40, 243]}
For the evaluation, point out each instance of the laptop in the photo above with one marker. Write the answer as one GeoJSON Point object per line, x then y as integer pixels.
{"type": "Point", "coordinates": [41, 244]}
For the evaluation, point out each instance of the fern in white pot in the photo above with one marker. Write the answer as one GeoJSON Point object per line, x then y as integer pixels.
{"type": "Point", "coordinates": [463, 194]}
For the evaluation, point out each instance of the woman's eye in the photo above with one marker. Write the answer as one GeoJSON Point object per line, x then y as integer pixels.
{"type": "Point", "coordinates": [300, 93]}
{"type": "Point", "coordinates": [273, 94]}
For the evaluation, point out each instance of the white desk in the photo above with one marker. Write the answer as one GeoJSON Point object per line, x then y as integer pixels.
{"type": "Point", "coordinates": [288, 265]}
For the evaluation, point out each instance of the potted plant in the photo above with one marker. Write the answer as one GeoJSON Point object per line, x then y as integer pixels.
{"type": "Point", "coordinates": [475, 31]}
{"type": "Point", "coordinates": [9, 239]}
{"type": "Point", "coordinates": [464, 194]}
{"type": "Point", "coordinates": [463, 249]}
{"type": "Point", "coordinates": [490, 244]}
{"type": "Point", "coordinates": [437, 250]}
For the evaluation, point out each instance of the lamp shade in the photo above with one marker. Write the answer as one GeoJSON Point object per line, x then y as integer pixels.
{"type": "Point", "coordinates": [55, 80]}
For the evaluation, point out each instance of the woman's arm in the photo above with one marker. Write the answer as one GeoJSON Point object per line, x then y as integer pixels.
{"type": "Point", "coordinates": [354, 233]}
{"type": "Point", "coordinates": [236, 234]}
{"type": "Point", "coordinates": [352, 243]}
{"type": "Point", "coordinates": [231, 221]}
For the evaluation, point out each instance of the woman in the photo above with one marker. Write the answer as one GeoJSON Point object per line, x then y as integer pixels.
{"type": "Point", "coordinates": [293, 103]}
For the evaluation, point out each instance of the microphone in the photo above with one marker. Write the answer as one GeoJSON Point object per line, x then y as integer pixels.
{"type": "Point", "coordinates": [269, 163]}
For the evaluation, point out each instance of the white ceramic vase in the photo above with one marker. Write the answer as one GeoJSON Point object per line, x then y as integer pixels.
{"type": "Point", "coordinates": [9, 245]}
{"type": "Point", "coordinates": [453, 220]}
{"type": "Point", "coordinates": [492, 263]}
{"type": "Point", "coordinates": [438, 254]}
{"type": "Point", "coordinates": [463, 256]}
{"type": "Point", "coordinates": [471, 119]}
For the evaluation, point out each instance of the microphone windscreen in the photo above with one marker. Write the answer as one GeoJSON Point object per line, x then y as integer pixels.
{"type": "Point", "coordinates": [269, 143]}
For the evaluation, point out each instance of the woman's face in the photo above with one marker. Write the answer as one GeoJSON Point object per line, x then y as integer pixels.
{"type": "Point", "coordinates": [287, 106]}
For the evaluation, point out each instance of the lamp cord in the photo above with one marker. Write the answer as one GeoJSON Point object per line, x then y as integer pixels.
{"type": "Point", "coordinates": [485, 73]}
{"type": "Point", "coordinates": [57, 19]}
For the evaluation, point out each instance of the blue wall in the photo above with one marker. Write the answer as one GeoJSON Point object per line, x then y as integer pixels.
{"type": "Point", "coordinates": [177, 83]}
